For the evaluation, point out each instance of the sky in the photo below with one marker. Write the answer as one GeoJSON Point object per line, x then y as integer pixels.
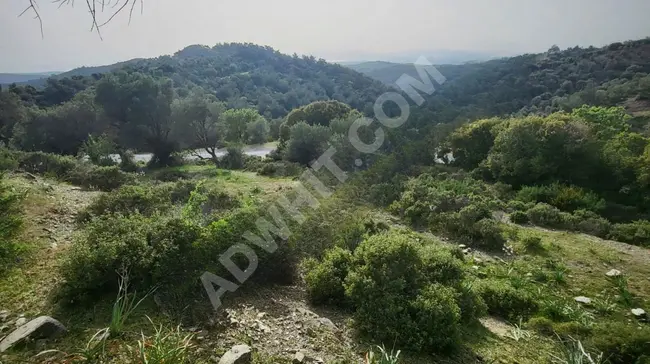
{"type": "Point", "coordinates": [336, 30]}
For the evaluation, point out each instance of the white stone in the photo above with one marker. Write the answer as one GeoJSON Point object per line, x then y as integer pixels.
{"type": "Point", "coordinates": [613, 273]}
{"type": "Point", "coordinates": [239, 354]}
{"type": "Point", "coordinates": [638, 312]}
{"type": "Point", "coordinates": [583, 299]}
{"type": "Point", "coordinates": [40, 327]}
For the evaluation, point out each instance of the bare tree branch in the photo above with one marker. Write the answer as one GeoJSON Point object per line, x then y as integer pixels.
{"type": "Point", "coordinates": [94, 7]}
{"type": "Point", "coordinates": [34, 7]}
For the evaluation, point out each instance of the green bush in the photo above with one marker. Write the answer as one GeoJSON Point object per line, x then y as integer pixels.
{"type": "Point", "coordinates": [127, 162]}
{"type": "Point", "coordinates": [144, 200]}
{"type": "Point", "coordinates": [637, 233]}
{"type": "Point", "coordinates": [505, 301]}
{"type": "Point", "coordinates": [153, 250]}
{"type": "Point", "coordinates": [11, 221]}
{"type": "Point", "coordinates": [565, 198]}
{"type": "Point", "coordinates": [546, 215]}
{"type": "Point", "coordinates": [206, 201]}
{"type": "Point", "coordinates": [233, 159]}
{"type": "Point", "coordinates": [181, 191]}
{"type": "Point", "coordinates": [407, 292]}
{"type": "Point", "coordinates": [516, 205]}
{"type": "Point", "coordinates": [436, 319]}
{"type": "Point", "coordinates": [590, 223]}
{"type": "Point", "coordinates": [532, 243]}
{"type": "Point", "coordinates": [8, 160]}
{"type": "Point", "coordinates": [472, 306]}
{"type": "Point", "coordinates": [519, 217]}
{"type": "Point", "coordinates": [325, 279]}
{"type": "Point", "coordinates": [279, 169]}
{"type": "Point", "coordinates": [100, 178]}
{"type": "Point", "coordinates": [48, 164]}
{"type": "Point", "coordinates": [622, 343]}
{"type": "Point", "coordinates": [488, 234]}
{"type": "Point", "coordinates": [170, 175]}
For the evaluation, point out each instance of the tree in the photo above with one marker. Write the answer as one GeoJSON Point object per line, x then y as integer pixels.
{"type": "Point", "coordinates": [535, 150]}
{"type": "Point", "coordinates": [471, 143]}
{"type": "Point", "coordinates": [197, 118]}
{"type": "Point", "coordinates": [257, 131]}
{"type": "Point", "coordinates": [61, 129]}
{"type": "Point", "coordinates": [141, 108]}
{"type": "Point", "coordinates": [236, 121]}
{"type": "Point", "coordinates": [12, 112]}
{"type": "Point", "coordinates": [306, 142]}
{"type": "Point", "coordinates": [318, 113]}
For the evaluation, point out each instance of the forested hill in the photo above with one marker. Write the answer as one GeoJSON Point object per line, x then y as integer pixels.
{"type": "Point", "coordinates": [242, 75]}
{"type": "Point", "coordinates": [533, 83]}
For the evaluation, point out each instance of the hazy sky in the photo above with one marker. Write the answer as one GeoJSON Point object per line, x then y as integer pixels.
{"type": "Point", "coordinates": [330, 29]}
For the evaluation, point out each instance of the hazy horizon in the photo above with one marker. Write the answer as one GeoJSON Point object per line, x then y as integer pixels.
{"type": "Point", "coordinates": [337, 30]}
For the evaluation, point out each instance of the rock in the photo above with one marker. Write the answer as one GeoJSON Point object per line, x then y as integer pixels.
{"type": "Point", "coordinates": [30, 176]}
{"type": "Point", "coordinates": [239, 354]}
{"type": "Point", "coordinates": [467, 250]}
{"type": "Point", "coordinates": [38, 328]}
{"type": "Point", "coordinates": [4, 314]}
{"type": "Point", "coordinates": [638, 312]}
{"type": "Point", "coordinates": [478, 260]}
{"type": "Point", "coordinates": [583, 299]}
{"type": "Point", "coordinates": [462, 246]}
{"type": "Point", "coordinates": [299, 357]}
{"type": "Point", "coordinates": [327, 323]}
{"type": "Point", "coordinates": [613, 273]}
{"type": "Point", "coordinates": [21, 321]}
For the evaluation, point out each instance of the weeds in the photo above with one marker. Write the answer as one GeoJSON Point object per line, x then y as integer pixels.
{"type": "Point", "coordinates": [165, 346]}
{"type": "Point", "coordinates": [623, 290]}
{"type": "Point", "coordinates": [572, 352]}
{"type": "Point", "coordinates": [604, 306]}
{"type": "Point", "coordinates": [124, 305]}
{"type": "Point", "coordinates": [92, 352]}
{"type": "Point", "coordinates": [517, 333]}
{"type": "Point", "coordinates": [383, 357]}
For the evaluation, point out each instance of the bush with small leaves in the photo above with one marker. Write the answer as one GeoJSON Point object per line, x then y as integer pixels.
{"type": "Point", "coordinates": [11, 221]}
{"type": "Point", "coordinates": [505, 301]}
{"type": "Point", "coordinates": [532, 243]}
{"type": "Point", "coordinates": [546, 215]}
{"type": "Point", "coordinates": [54, 165]}
{"type": "Point", "coordinates": [100, 178]}
{"type": "Point", "coordinates": [519, 217]}
{"type": "Point", "coordinates": [436, 319]}
{"type": "Point", "coordinates": [144, 200]}
{"type": "Point", "coordinates": [325, 279]}
{"type": "Point", "coordinates": [637, 233]}
{"type": "Point", "coordinates": [622, 343]}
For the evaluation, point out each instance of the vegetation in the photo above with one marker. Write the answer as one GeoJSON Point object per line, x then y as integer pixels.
{"type": "Point", "coordinates": [484, 237]}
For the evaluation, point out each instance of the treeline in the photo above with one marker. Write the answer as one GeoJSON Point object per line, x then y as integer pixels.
{"type": "Point", "coordinates": [538, 83]}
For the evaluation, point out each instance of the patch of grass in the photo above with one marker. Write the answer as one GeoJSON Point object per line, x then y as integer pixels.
{"type": "Point", "coordinates": [165, 346]}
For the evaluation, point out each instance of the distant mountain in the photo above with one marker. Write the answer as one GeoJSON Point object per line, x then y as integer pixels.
{"type": "Point", "coordinates": [7, 78]}
{"type": "Point", "coordinates": [39, 79]}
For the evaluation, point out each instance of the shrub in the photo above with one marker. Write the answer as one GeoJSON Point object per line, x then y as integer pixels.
{"type": "Point", "coordinates": [205, 201]}
{"type": "Point", "coordinates": [622, 343]}
{"type": "Point", "coordinates": [391, 272]}
{"type": "Point", "coordinates": [437, 319]}
{"type": "Point", "coordinates": [505, 301]}
{"type": "Point", "coordinates": [8, 160]}
{"type": "Point", "coordinates": [144, 200]}
{"type": "Point", "coordinates": [590, 223]}
{"type": "Point", "coordinates": [487, 233]}
{"type": "Point", "coordinates": [153, 250]}
{"type": "Point", "coordinates": [127, 162]}
{"type": "Point", "coordinates": [546, 215]}
{"type": "Point", "coordinates": [532, 243]}
{"type": "Point", "coordinates": [637, 233]}
{"type": "Point", "coordinates": [49, 164]}
{"type": "Point", "coordinates": [472, 306]}
{"type": "Point", "coordinates": [565, 198]}
{"type": "Point", "coordinates": [279, 169]}
{"type": "Point", "coordinates": [516, 205]}
{"type": "Point", "coordinates": [325, 279]}
{"type": "Point", "coordinates": [519, 217]}
{"type": "Point", "coordinates": [181, 191]}
{"type": "Point", "coordinates": [170, 175]}
{"type": "Point", "coordinates": [10, 223]}
{"type": "Point", "coordinates": [98, 149]}
{"type": "Point", "coordinates": [233, 159]}
{"type": "Point", "coordinates": [101, 178]}
{"type": "Point", "coordinates": [306, 142]}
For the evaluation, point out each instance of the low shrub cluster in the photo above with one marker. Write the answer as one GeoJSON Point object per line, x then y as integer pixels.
{"type": "Point", "coordinates": [458, 206]}
{"type": "Point", "coordinates": [402, 289]}
{"type": "Point", "coordinates": [144, 200]}
{"type": "Point", "coordinates": [588, 222]}
{"type": "Point", "coordinates": [166, 251]}
{"type": "Point", "coordinates": [67, 169]}
{"type": "Point", "coordinates": [565, 198]}
{"type": "Point", "coordinates": [11, 221]}
{"type": "Point", "coordinates": [278, 168]}
{"type": "Point", "coordinates": [504, 300]}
